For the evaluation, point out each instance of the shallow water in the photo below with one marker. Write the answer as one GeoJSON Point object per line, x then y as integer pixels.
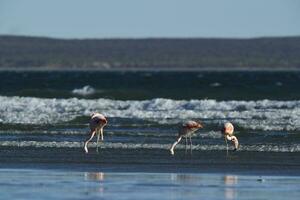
{"type": "Point", "coordinates": [58, 184]}
{"type": "Point", "coordinates": [44, 121]}
{"type": "Point", "coordinates": [144, 109]}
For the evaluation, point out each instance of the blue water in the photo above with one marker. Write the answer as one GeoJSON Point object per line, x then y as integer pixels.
{"type": "Point", "coordinates": [240, 85]}
{"type": "Point", "coordinates": [44, 120]}
{"type": "Point", "coordinates": [56, 184]}
{"type": "Point", "coordinates": [43, 109]}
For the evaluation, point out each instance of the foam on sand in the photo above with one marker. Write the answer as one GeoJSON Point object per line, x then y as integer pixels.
{"type": "Point", "coordinates": [119, 145]}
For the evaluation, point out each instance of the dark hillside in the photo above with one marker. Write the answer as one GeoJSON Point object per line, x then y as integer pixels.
{"type": "Point", "coordinates": [149, 53]}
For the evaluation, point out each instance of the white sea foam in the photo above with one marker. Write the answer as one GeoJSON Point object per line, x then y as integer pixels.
{"type": "Point", "coordinates": [216, 84]}
{"type": "Point", "coordinates": [109, 145]}
{"type": "Point", "coordinates": [85, 91]}
{"type": "Point", "coordinates": [255, 115]}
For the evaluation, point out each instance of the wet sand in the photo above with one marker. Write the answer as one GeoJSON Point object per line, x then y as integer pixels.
{"type": "Point", "coordinates": [152, 160]}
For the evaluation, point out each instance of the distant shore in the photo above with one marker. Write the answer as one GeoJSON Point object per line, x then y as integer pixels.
{"type": "Point", "coordinates": [154, 54]}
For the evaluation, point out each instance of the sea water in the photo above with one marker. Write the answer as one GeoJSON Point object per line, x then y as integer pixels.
{"type": "Point", "coordinates": [58, 184]}
{"type": "Point", "coordinates": [44, 120]}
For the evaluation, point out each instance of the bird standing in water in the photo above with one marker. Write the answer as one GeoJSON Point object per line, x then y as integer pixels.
{"type": "Point", "coordinates": [227, 131]}
{"type": "Point", "coordinates": [186, 130]}
{"type": "Point", "coordinates": [97, 123]}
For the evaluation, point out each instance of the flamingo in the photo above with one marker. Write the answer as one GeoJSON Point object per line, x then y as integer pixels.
{"type": "Point", "coordinates": [186, 130]}
{"type": "Point", "coordinates": [227, 131]}
{"type": "Point", "coordinates": [97, 123]}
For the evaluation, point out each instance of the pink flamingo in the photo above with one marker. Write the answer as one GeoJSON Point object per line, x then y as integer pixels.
{"type": "Point", "coordinates": [186, 130]}
{"type": "Point", "coordinates": [227, 131]}
{"type": "Point", "coordinates": [97, 123]}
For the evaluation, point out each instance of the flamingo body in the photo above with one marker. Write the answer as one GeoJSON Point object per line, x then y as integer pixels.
{"type": "Point", "coordinates": [228, 130]}
{"type": "Point", "coordinates": [186, 130]}
{"type": "Point", "coordinates": [97, 120]}
{"type": "Point", "coordinates": [97, 123]}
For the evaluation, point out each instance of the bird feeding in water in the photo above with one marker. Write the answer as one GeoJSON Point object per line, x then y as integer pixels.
{"type": "Point", "coordinates": [227, 131]}
{"type": "Point", "coordinates": [186, 130]}
{"type": "Point", "coordinates": [97, 123]}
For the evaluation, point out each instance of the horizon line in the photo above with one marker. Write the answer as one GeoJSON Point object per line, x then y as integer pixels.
{"type": "Point", "coordinates": [147, 38]}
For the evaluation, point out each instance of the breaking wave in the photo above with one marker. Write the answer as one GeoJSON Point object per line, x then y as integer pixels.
{"type": "Point", "coordinates": [253, 115]}
{"type": "Point", "coordinates": [85, 91]}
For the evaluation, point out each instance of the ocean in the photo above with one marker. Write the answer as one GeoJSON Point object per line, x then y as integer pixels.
{"type": "Point", "coordinates": [44, 118]}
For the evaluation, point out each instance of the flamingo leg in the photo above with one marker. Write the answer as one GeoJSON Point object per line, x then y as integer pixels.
{"type": "Point", "coordinates": [101, 132]}
{"type": "Point", "coordinates": [226, 146]}
{"type": "Point", "coordinates": [185, 144]}
{"type": "Point", "coordinates": [98, 137]}
{"type": "Point", "coordinates": [88, 140]}
{"type": "Point", "coordinates": [191, 144]}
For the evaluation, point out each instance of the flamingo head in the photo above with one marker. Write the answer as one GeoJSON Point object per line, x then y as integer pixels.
{"type": "Point", "coordinates": [199, 124]}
